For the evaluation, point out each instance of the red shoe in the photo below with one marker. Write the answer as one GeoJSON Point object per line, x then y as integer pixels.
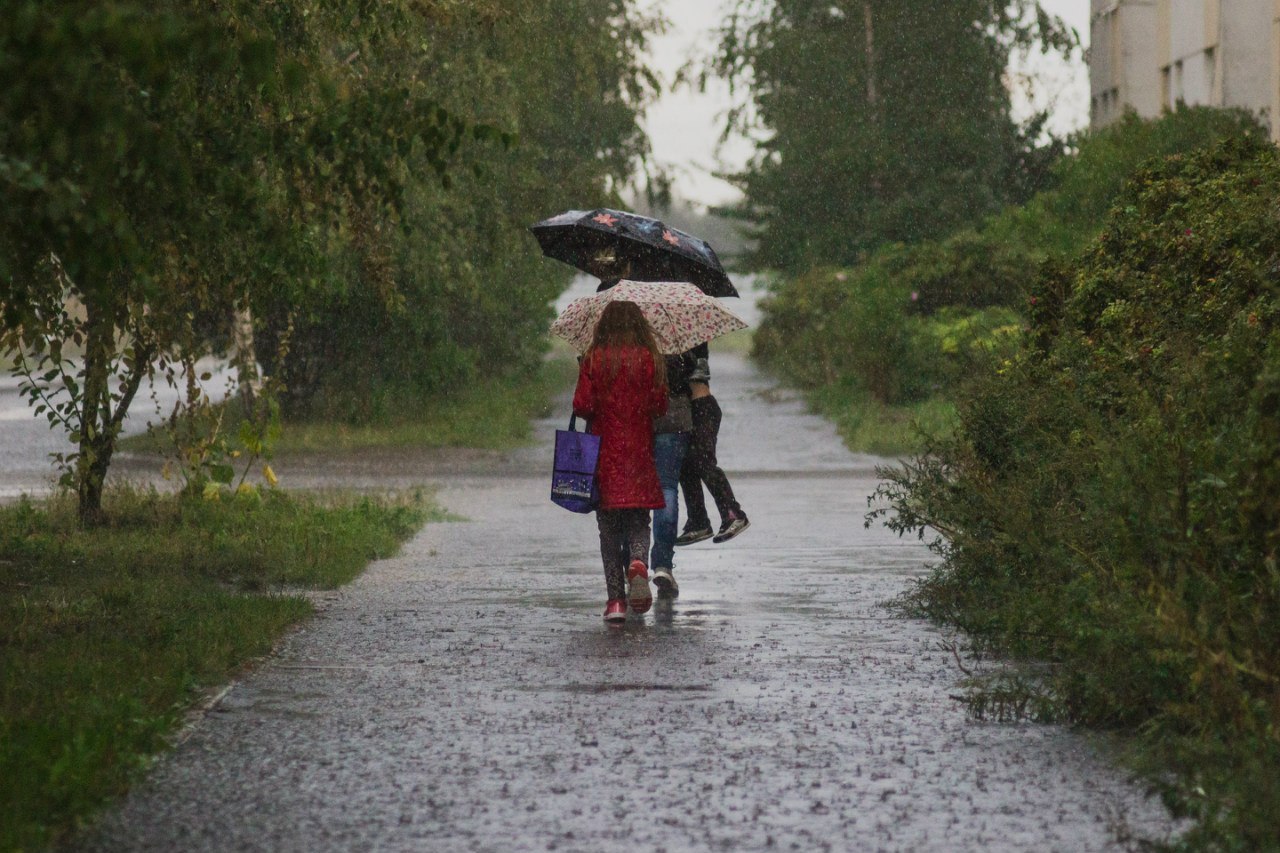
{"type": "Point", "coordinates": [615, 611]}
{"type": "Point", "coordinates": [638, 594]}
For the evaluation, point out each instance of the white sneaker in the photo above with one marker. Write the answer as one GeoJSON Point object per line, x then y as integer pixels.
{"type": "Point", "coordinates": [666, 583]}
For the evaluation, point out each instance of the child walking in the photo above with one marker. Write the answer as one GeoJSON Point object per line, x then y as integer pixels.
{"type": "Point", "coordinates": [621, 389]}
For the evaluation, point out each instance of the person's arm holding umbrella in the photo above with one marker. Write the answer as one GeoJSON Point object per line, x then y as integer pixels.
{"type": "Point", "coordinates": [700, 375]}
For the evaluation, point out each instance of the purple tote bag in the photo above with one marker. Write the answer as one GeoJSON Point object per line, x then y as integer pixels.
{"type": "Point", "coordinates": [573, 479]}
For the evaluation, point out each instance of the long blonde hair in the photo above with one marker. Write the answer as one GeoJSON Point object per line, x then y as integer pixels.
{"type": "Point", "coordinates": [623, 324]}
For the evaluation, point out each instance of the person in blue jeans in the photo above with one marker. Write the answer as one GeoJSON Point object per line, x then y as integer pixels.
{"type": "Point", "coordinates": [670, 442]}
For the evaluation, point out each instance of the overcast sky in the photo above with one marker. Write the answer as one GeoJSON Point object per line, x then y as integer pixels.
{"type": "Point", "coordinates": [684, 126]}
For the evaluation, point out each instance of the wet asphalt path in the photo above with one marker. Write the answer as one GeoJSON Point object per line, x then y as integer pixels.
{"type": "Point", "coordinates": [467, 696]}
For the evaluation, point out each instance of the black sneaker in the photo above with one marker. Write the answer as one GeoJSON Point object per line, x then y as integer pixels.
{"type": "Point", "coordinates": [694, 534]}
{"type": "Point", "coordinates": [736, 523]}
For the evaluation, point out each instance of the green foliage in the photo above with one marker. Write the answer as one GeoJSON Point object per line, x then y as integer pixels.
{"type": "Point", "coordinates": [107, 636]}
{"type": "Point", "coordinates": [1111, 501]}
{"type": "Point", "coordinates": [457, 291]}
{"type": "Point", "coordinates": [161, 162]}
{"type": "Point", "coordinates": [1067, 215]}
{"type": "Point", "coordinates": [205, 448]}
{"type": "Point", "coordinates": [967, 270]}
{"type": "Point", "coordinates": [884, 327]}
{"type": "Point", "coordinates": [347, 175]}
{"type": "Point", "coordinates": [856, 328]}
{"type": "Point", "coordinates": [492, 414]}
{"type": "Point", "coordinates": [877, 120]}
{"type": "Point", "coordinates": [868, 425]}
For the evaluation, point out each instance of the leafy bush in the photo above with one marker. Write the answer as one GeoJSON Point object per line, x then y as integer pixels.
{"type": "Point", "coordinates": [866, 331]}
{"type": "Point", "coordinates": [1066, 217]}
{"type": "Point", "coordinates": [1111, 500]}
{"type": "Point", "coordinates": [967, 270]}
{"type": "Point", "coordinates": [828, 324]}
{"type": "Point", "coordinates": [996, 262]}
{"type": "Point", "coordinates": [832, 327]}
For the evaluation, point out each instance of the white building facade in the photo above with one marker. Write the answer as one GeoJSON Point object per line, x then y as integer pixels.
{"type": "Point", "coordinates": [1150, 55]}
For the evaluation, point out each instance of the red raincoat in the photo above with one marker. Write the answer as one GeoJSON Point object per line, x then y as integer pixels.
{"type": "Point", "coordinates": [621, 412]}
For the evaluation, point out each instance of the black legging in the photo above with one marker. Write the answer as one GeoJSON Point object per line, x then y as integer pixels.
{"type": "Point", "coordinates": [700, 467]}
{"type": "Point", "coordinates": [624, 536]}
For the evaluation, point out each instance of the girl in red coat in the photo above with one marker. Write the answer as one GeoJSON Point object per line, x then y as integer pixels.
{"type": "Point", "coordinates": [621, 388]}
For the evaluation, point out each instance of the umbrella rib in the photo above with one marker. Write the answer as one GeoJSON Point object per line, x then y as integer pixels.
{"type": "Point", "coordinates": [666, 314]}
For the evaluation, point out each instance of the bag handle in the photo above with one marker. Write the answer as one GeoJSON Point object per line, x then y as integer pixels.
{"type": "Point", "coordinates": [573, 421]}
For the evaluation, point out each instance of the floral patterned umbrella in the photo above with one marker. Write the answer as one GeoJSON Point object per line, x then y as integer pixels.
{"type": "Point", "coordinates": [681, 315]}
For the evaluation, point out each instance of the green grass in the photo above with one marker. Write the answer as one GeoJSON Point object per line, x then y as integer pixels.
{"type": "Point", "coordinates": [108, 635]}
{"type": "Point", "coordinates": [870, 426]}
{"type": "Point", "coordinates": [492, 415]}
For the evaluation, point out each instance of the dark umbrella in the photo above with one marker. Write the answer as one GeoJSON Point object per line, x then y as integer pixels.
{"type": "Point", "coordinates": [656, 252]}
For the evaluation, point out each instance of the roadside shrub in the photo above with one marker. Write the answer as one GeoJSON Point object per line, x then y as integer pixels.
{"type": "Point", "coordinates": [830, 325]}
{"type": "Point", "coordinates": [870, 334]}
{"type": "Point", "coordinates": [967, 270]}
{"type": "Point", "coordinates": [1111, 499]}
{"type": "Point", "coordinates": [1066, 217]}
{"type": "Point", "coordinates": [959, 341]}
{"type": "Point", "coordinates": [996, 262]}
{"type": "Point", "coordinates": [833, 327]}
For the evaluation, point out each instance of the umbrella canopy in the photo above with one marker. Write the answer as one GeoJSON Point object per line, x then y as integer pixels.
{"type": "Point", "coordinates": [680, 314]}
{"type": "Point", "coordinates": [655, 252]}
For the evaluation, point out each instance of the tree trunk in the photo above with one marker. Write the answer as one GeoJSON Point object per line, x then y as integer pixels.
{"type": "Point", "coordinates": [873, 95]}
{"type": "Point", "coordinates": [244, 358]}
{"type": "Point", "coordinates": [95, 403]}
{"type": "Point", "coordinates": [873, 92]}
{"type": "Point", "coordinates": [102, 412]}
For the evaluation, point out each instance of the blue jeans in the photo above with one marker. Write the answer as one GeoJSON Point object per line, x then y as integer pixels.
{"type": "Point", "coordinates": [668, 455]}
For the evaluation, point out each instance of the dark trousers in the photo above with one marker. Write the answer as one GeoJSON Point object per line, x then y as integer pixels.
{"type": "Point", "coordinates": [624, 536]}
{"type": "Point", "coordinates": [700, 467]}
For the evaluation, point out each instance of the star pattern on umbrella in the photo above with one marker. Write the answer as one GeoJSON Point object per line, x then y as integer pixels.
{"type": "Point", "coordinates": [652, 248]}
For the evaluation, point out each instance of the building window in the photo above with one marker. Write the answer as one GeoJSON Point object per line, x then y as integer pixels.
{"type": "Point", "coordinates": [1166, 96]}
